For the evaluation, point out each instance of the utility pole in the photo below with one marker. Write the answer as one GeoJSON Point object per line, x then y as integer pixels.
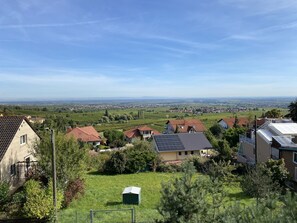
{"type": "Point", "coordinates": [54, 174]}
{"type": "Point", "coordinates": [256, 149]}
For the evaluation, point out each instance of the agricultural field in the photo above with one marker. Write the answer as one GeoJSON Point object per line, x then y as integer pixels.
{"type": "Point", "coordinates": [155, 117]}
{"type": "Point", "coordinates": [105, 193]}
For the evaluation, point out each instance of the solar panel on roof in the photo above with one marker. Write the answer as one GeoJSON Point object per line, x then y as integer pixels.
{"type": "Point", "coordinates": [168, 143]}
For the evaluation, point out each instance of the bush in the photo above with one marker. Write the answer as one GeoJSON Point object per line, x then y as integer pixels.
{"type": "Point", "coordinates": [39, 200]}
{"type": "Point", "coordinates": [4, 194]}
{"type": "Point", "coordinates": [199, 162]}
{"type": "Point", "coordinates": [96, 161]}
{"type": "Point", "coordinates": [116, 164]}
{"type": "Point", "coordinates": [169, 168]}
{"type": "Point", "coordinates": [74, 189]}
{"type": "Point", "coordinates": [15, 206]}
{"type": "Point", "coordinates": [141, 157]}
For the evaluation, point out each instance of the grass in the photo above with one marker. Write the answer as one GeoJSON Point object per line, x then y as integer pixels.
{"type": "Point", "coordinates": [104, 193]}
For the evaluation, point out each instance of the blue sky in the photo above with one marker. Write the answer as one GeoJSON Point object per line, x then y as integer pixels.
{"type": "Point", "coordinates": [136, 48]}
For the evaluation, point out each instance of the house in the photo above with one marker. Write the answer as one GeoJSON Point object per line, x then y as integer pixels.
{"type": "Point", "coordinates": [274, 141]}
{"type": "Point", "coordinates": [174, 147]}
{"type": "Point", "coordinates": [140, 133]}
{"type": "Point", "coordinates": [17, 138]}
{"type": "Point", "coordinates": [184, 126]}
{"type": "Point", "coordinates": [86, 134]}
{"type": "Point", "coordinates": [227, 123]}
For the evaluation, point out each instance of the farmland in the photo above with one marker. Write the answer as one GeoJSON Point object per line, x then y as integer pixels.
{"type": "Point", "coordinates": [155, 117]}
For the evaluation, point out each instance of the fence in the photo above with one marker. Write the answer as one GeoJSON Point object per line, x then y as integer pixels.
{"type": "Point", "coordinates": [126, 215]}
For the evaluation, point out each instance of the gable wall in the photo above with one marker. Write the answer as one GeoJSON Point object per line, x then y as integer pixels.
{"type": "Point", "coordinates": [17, 152]}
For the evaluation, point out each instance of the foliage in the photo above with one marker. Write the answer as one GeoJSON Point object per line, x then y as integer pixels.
{"type": "Point", "coordinates": [141, 157]}
{"type": "Point", "coordinates": [70, 158]}
{"type": "Point", "coordinates": [169, 168]}
{"type": "Point", "coordinates": [16, 205]}
{"type": "Point", "coordinates": [213, 141]}
{"type": "Point", "coordinates": [199, 162]}
{"type": "Point", "coordinates": [217, 130]}
{"type": "Point", "coordinates": [221, 171]}
{"type": "Point", "coordinates": [116, 164]}
{"type": "Point", "coordinates": [117, 143]}
{"type": "Point", "coordinates": [225, 152]}
{"type": "Point", "coordinates": [293, 110]}
{"type": "Point", "coordinates": [273, 113]}
{"type": "Point", "coordinates": [236, 122]}
{"type": "Point", "coordinates": [114, 136]}
{"type": "Point", "coordinates": [4, 193]}
{"type": "Point", "coordinates": [258, 182]}
{"type": "Point", "coordinates": [278, 171]}
{"type": "Point", "coordinates": [183, 198]}
{"type": "Point", "coordinates": [74, 189]}
{"type": "Point", "coordinates": [232, 135]}
{"type": "Point", "coordinates": [96, 160]}
{"type": "Point", "coordinates": [39, 201]}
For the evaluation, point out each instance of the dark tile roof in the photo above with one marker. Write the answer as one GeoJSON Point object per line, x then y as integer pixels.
{"type": "Point", "coordinates": [9, 125]}
{"type": "Point", "coordinates": [182, 142]}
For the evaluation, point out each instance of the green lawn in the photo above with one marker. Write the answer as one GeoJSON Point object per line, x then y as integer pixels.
{"type": "Point", "coordinates": [104, 192]}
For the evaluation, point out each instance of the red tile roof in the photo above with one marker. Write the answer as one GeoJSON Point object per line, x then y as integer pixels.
{"type": "Point", "coordinates": [184, 125]}
{"type": "Point", "coordinates": [133, 133]}
{"type": "Point", "coordinates": [85, 134]}
{"type": "Point", "coordinates": [241, 121]}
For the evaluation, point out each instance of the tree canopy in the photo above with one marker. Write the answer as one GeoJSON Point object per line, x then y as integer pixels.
{"type": "Point", "coordinates": [293, 110]}
{"type": "Point", "coordinates": [70, 158]}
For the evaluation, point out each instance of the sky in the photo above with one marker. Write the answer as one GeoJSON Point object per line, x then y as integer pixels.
{"type": "Point", "coordinates": [55, 49]}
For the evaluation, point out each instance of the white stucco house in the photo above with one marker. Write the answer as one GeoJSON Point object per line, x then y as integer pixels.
{"type": "Point", "coordinates": [17, 138]}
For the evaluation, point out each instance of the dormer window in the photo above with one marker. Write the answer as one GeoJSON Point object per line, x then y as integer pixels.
{"type": "Point", "coordinates": [23, 139]}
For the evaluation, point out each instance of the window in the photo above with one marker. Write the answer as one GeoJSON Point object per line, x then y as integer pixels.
{"type": "Point", "coordinates": [12, 170]}
{"type": "Point", "coordinates": [186, 153]}
{"type": "Point", "coordinates": [179, 153]}
{"type": "Point", "coordinates": [23, 139]}
{"type": "Point", "coordinates": [295, 158]}
{"type": "Point", "coordinates": [192, 152]}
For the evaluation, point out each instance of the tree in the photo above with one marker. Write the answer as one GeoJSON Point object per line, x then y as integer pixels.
{"type": "Point", "coordinates": [70, 158]}
{"type": "Point", "coordinates": [112, 135]}
{"type": "Point", "coordinates": [236, 122]}
{"type": "Point", "coordinates": [217, 130]}
{"type": "Point", "coordinates": [106, 113]}
{"type": "Point", "coordinates": [273, 113]}
{"type": "Point", "coordinates": [232, 135]}
{"type": "Point", "coordinates": [183, 199]}
{"type": "Point", "coordinates": [225, 152]}
{"type": "Point", "coordinates": [140, 157]}
{"type": "Point", "coordinates": [116, 164]}
{"type": "Point", "coordinates": [258, 183]}
{"type": "Point", "coordinates": [278, 171]}
{"type": "Point", "coordinates": [293, 110]}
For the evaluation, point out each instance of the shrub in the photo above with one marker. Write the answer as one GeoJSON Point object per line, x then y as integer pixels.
{"type": "Point", "coordinates": [39, 200]}
{"type": "Point", "coordinates": [4, 193]}
{"type": "Point", "coordinates": [15, 206]}
{"type": "Point", "coordinates": [141, 157]}
{"type": "Point", "coordinates": [258, 183]}
{"type": "Point", "coordinates": [96, 161]}
{"type": "Point", "coordinates": [116, 164]}
{"type": "Point", "coordinates": [74, 189]}
{"type": "Point", "coordinates": [169, 168]}
{"type": "Point", "coordinates": [199, 162]}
